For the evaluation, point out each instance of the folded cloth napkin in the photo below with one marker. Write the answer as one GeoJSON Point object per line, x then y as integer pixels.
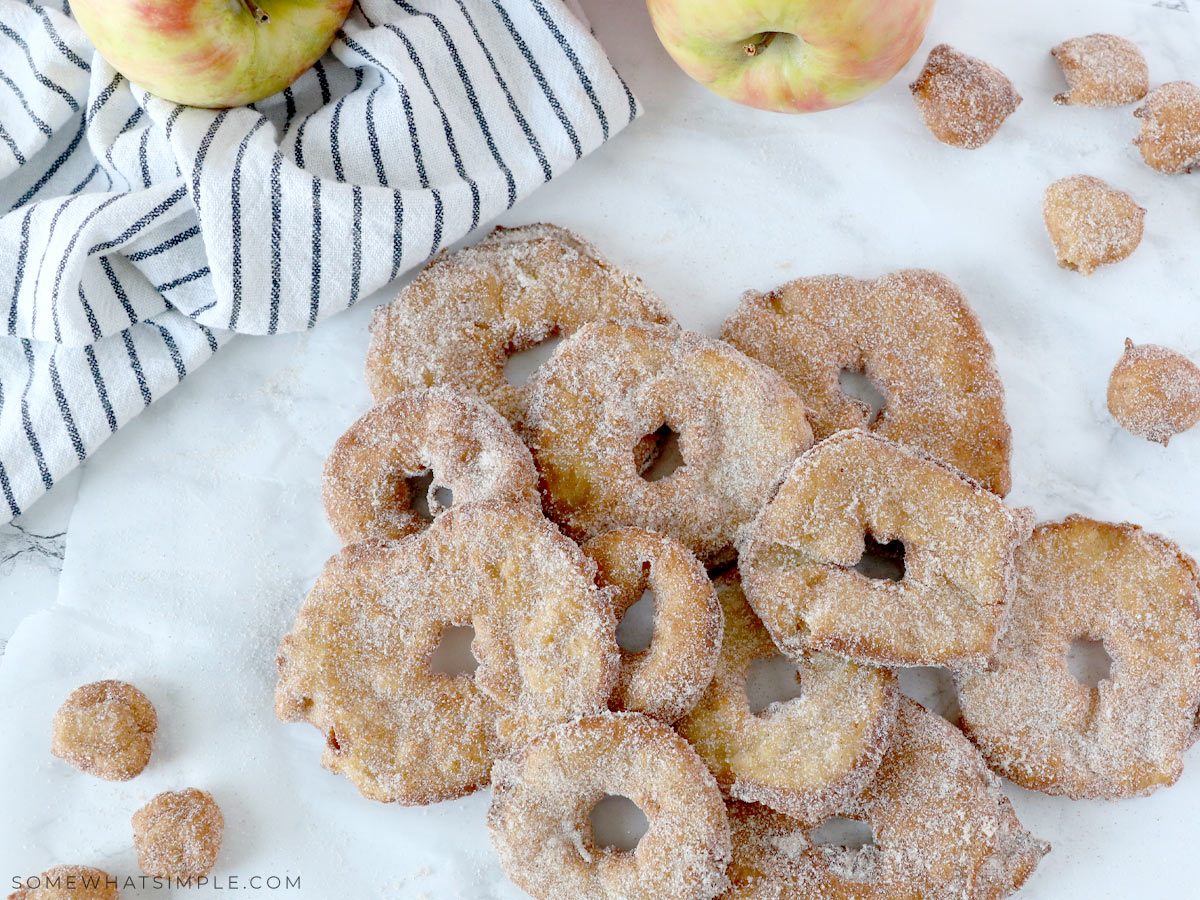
{"type": "Point", "coordinates": [137, 236]}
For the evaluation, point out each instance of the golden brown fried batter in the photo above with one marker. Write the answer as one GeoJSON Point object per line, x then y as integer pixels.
{"type": "Point", "coordinates": [1035, 722]}
{"type": "Point", "coordinates": [951, 603]}
{"type": "Point", "coordinates": [913, 334]}
{"type": "Point", "coordinates": [468, 312]}
{"type": "Point", "coordinates": [178, 834]}
{"type": "Point", "coordinates": [942, 830]}
{"type": "Point", "coordinates": [613, 383]}
{"type": "Point", "coordinates": [1090, 223]}
{"type": "Point", "coordinates": [1170, 136]}
{"type": "Point", "coordinates": [1154, 392]}
{"type": "Point", "coordinates": [357, 663]}
{"type": "Point", "coordinates": [962, 100]}
{"type": "Point", "coordinates": [1102, 70]}
{"type": "Point", "coordinates": [105, 729]}
{"type": "Point", "coordinates": [466, 445]}
{"type": "Point", "coordinates": [806, 756]}
{"type": "Point", "coordinates": [664, 680]}
{"type": "Point", "coordinates": [541, 799]}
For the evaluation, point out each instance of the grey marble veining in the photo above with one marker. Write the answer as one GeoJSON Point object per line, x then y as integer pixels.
{"type": "Point", "coordinates": [32, 550]}
{"type": "Point", "coordinates": [18, 543]}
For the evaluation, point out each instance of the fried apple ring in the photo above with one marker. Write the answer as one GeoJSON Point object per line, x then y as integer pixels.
{"type": "Point", "coordinates": [962, 100]}
{"type": "Point", "coordinates": [467, 446]}
{"type": "Point", "coordinates": [461, 319]}
{"type": "Point", "coordinates": [1154, 392]}
{"type": "Point", "coordinates": [913, 334]}
{"type": "Point", "coordinates": [664, 680]}
{"type": "Point", "coordinates": [806, 756]}
{"type": "Point", "coordinates": [1170, 137]}
{"type": "Point", "coordinates": [1035, 722]}
{"type": "Point", "coordinates": [613, 383]}
{"type": "Point", "coordinates": [1101, 70]}
{"type": "Point", "coordinates": [357, 663]}
{"type": "Point", "coordinates": [943, 830]}
{"type": "Point", "coordinates": [951, 604]}
{"type": "Point", "coordinates": [541, 799]}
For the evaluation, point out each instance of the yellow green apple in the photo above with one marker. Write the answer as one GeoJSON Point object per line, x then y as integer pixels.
{"type": "Point", "coordinates": [212, 53]}
{"type": "Point", "coordinates": [791, 55]}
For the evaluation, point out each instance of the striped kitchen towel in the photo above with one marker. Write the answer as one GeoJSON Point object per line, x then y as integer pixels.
{"type": "Point", "coordinates": [137, 236]}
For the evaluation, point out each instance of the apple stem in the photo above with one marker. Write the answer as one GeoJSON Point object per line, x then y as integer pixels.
{"type": "Point", "coordinates": [760, 43]}
{"type": "Point", "coordinates": [260, 15]}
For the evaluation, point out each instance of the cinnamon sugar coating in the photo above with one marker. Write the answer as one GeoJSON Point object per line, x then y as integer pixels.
{"type": "Point", "coordinates": [1101, 70]}
{"type": "Point", "coordinates": [542, 796]}
{"type": "Point", "coordinates": [1170, 136]}
{"type": "Point", "coordinates": [1154, 392]}
{"type": "Point", "coordinates": [105, 729]}
{"type": "Point", "coordinates": [178, 834]}
{"type": "Point", "coordinates": [467, 446]}
{"type": "Point", "coordinates": [357, 663]}
{"type": "Point", "coordinates": [1090, 223]}
{"type": "Point", "coordinates": [914, 335]}
{"type": "Point", "coordinates": [806, 756]}
{"type": "Point", "coordinates": [942, 828]}
{"type": "Point", "coordinates": [1039, 726]}
{"type": "Point", "coordinates": [68, 883]}
{"type": "Point", "coordinates": [951, 604]}
{"type": "Point", "coordinates": [613, 383]}
{"type": "Point", "coordinates": [664, 680]}
{"type": "Point", "coordinates": [962, 100]}
{"type": "Point", "coordinates": [461, 319]}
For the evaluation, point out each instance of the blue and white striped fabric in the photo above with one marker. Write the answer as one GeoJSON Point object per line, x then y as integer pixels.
{"type": "Point", "coordinates": [138, 236]}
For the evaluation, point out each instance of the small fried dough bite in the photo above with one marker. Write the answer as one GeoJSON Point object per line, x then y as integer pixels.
{"type": "Point", "coordinates": [1090, 223]}
{"type": "Point", "coordinates": [1154, 392]}
{"type": "Point", "coordinates": [106, 729]}
{"type": "Point", "coordinates": [178, 834]}
{"type": "Point", "coordinates": [962, 100]}
{"type": "Point", "coordinates": [1101, 70]}
{"type": "Point", "coordinates": [1170, 137]}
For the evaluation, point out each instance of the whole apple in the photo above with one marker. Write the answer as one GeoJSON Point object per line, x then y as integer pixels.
{"type": "Point", "coordinates": [212, 53]}
{"type": "Point", "coordinates": [791, 55]}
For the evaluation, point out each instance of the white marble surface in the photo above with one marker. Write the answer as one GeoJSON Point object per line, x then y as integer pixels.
{"type": "Point", "coordinates": [31, 556]}
{"type": "Point", "coordinates": [177, 556]}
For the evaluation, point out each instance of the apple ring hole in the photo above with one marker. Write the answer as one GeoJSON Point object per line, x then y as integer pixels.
{"type": "Point", "coordinates": [838, 831]}
{"type": "Point", "coordinates": [771, 680]}
{"type": "Point", "coordinates": [617, 823]}
{"type": "Point", "coordinates": [454, 655]}
{"type": "Point", "coordinates": [668, 458]}
{"type": "Point", "coordinates": [427, 498]}
{"type": "Point", "coordinates": [418, 492]}
{"type": "Point", "coordinates": [881, 562]}
{"type": "Point", "coordinates": [855, 384]}
{"type": "Point", "coordinates": [1088, 661]}
{"type": "Point", "coordinates": [523, 362]}
{"type": "Point", "coordinates": [933, 687]}
{"type": "Point", "coordinates": [636, 628]}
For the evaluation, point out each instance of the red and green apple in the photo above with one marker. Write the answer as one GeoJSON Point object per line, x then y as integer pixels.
{"type": "Point", "coordinates": [212, 53]}
{"type": "Point", "coordinates": [791, 55]}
